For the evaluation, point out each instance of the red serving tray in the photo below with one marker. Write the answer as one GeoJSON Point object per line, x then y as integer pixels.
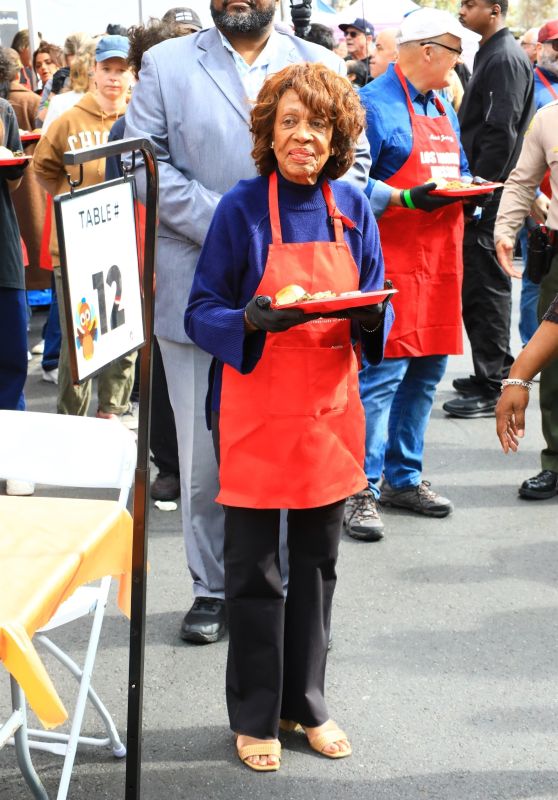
{"type": "Point", "coordinates": [30, 137]}
{"type": "Point", "coordinates": [14, 162]}
{"type": "Point", "coordinates": [470, 191]}
{"type": "Point", "coordinates": [340, 303]}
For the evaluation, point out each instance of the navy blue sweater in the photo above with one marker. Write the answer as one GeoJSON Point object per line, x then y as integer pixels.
{"type": "Point", "coordinates": [233, 258]}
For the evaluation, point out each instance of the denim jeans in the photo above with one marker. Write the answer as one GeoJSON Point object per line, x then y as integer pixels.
{"type": "Point", "coordinates": [397, 396]}
{"type": "Point", "coordinates": [528, 321]}
{"type": "Point", "coordinates": [13, 350]}
{"type": "Point", "coordinates": [52, 334]}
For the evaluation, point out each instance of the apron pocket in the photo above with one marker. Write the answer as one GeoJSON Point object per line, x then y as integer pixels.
{"type": "Point", "coordinates": [309, 381]}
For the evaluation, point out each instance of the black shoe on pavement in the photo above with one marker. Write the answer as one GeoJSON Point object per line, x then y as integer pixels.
{"type": "Point", "coordinates": [362, 519]}
{"type": "Point", "coordinates": [419, 498]}
{"type": "Point", "coordinates": [465, 385]}
{"type": "Point", "coordinates": [471, 405]}
{"type": "Point", "coordinates": [166, 486]}
{"type": "Point", "coordinates": [541, 486]}
{"type": "Point", "coordinates": [205, 622]}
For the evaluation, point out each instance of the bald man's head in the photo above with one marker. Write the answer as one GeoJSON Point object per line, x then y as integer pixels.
{"type": "Point", "coordinates": [528, 43]}
{"type": "Point", "coordinates": [385, 51]}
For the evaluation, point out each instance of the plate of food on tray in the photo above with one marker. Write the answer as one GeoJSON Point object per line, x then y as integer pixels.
{"type": "Point", "coordinates": [457, 188]}
{"type": "Point", "coordinates": [294, 296]}
{"type": "Point", "coordinates": [9, 158]}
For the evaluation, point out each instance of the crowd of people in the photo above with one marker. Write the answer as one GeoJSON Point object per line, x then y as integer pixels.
{"type": "Point", "coordinates": [275, 170]}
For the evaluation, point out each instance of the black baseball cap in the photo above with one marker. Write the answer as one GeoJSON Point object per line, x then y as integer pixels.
{"type": "Point", "coordinates": [184, 16]}
{"type": "Point", "coordinates": [360, 24]}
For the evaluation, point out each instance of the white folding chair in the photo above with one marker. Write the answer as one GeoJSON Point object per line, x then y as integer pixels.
{"type": "Point", "coordinates": [41, 448]}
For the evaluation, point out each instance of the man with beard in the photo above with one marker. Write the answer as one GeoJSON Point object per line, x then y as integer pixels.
{"type": "Point", "coordinates": [193, 102]}
{"type": "Point", "coordinates": [546, 70]}
{"type": "Point", "coordinates": [494, 114]}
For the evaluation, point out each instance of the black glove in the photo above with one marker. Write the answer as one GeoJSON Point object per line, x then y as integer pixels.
{"type": "Point", "coordinates": [13, 173]}
{"type": "Point", "coordinates": [481, 200]}
{"type": "Point", "coordinates": [275, 320]}
{"type": "Point", "coordinates": [420, 197]}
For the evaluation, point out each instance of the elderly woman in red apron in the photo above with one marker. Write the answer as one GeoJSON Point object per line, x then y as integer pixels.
{"type": "Point", "coordinates": [284, 398]}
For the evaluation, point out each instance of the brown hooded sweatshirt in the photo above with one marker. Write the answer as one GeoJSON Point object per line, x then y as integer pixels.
{"type": "Point", "coordinates": [83, 125]}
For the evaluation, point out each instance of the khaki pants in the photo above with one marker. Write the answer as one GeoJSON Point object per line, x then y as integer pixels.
{"type": "Point", "coordinates": [114, 383]}
{"type": "Point", "coordinates": [548, 395]}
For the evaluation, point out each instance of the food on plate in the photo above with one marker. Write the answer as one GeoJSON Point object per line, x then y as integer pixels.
{"type": "Point", "coordinates": [442, 183]}
{"type": "Point", "coordinates": [6, 153]}
{"type": "Point", "coordinates": [296, 294]}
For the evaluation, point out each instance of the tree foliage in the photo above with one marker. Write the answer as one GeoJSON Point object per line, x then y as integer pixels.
{"type": "Point", "coordinates": [523, 14]}
{"type": "Point", "coordinates": [532, 13]}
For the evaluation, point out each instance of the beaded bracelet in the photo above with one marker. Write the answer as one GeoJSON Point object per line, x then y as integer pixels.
{"type": "Point", "coordinates": [516, 382]}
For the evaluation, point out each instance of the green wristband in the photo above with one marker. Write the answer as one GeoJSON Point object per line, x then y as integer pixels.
{"type": "Point", "coordinates": [406, 196]}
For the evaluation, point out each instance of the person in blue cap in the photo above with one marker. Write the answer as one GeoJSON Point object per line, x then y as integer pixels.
{"type": "Point", "coordinates": [359, 36]}
{"type": "Point", "coordinates": [86, 124]}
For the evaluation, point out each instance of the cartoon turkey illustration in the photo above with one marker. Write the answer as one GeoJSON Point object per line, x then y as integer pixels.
{"type": "Point", "coordinates": [87, 331]}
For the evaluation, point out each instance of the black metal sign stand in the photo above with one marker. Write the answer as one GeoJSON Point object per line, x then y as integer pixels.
{"type": "Point", "coordinates": [141, 487]}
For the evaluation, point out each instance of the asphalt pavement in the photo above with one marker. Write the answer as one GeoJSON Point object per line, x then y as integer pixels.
{"type": "Point", "coordinates": [444, 662]}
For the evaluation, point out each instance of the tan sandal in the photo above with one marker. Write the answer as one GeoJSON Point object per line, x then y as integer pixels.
{"type": "Point", "coordinates": [264, 748]}
{"type": "Point", "coordinates": [321, 740]}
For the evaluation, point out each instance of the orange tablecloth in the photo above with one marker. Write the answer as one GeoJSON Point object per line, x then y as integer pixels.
{"type": "Point", "coordinates": [49, 547]}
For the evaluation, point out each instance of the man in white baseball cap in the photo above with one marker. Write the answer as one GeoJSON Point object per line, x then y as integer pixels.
{"type": "Point", "coordinates": [430, 23]}
{"type": "Point", "coordinates": [414, 139]}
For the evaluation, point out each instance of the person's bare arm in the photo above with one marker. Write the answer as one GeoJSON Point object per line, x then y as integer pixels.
{"type": "Point", "coordinates": [510, 410]}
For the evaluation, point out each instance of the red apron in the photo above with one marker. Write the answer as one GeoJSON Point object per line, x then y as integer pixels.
{"type": "Point", "coordinates": [292, 431]}
{"type": "Point", "coordinates": [423, 251]}
{"type": "Point", "coordinates": [545, 183]}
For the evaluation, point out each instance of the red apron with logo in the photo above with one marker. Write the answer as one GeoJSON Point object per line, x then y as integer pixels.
{"type": "Point", "coordinates": [423, 251]}
{"type": "Point", "coordinates": [292, 431]}
{"type": "Point", "coordinates": [545, 183]}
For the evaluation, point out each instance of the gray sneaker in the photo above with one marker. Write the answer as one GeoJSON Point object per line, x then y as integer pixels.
{"type": "Point", "coordinates": [362, 520]}
{"type": "Point", "coordinates": [419, 498]}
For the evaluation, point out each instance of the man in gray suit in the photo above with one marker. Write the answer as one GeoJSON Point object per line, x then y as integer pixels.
{"type": "Point", "coordinates": [193, 103]}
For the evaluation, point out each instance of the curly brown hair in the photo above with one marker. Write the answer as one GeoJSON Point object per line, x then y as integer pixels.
{"type": "Point", "coordinates": [325, 93]}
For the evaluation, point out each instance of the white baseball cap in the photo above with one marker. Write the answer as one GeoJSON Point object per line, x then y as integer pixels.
{"type": "Point", "coordinates": [425, 23]}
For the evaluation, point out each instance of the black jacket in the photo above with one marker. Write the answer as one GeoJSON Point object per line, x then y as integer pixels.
{"type": "Point", "coordinates": [497, 107]}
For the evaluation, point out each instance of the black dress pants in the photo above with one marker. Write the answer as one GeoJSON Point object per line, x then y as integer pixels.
{"type": "Point", "coordinates": [487, 301]}
{"type": "Point", "coordinates": [163, 429]}
{"type": "Point", "coordinates": [278, 647]}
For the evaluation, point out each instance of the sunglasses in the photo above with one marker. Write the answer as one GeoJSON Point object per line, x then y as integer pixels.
{"type": "Point", "coordinates": [457, 51]}
{"type": "Point", "coordinates": [554, 44]}
{"type": "Point", "coordinates": [352, 34]}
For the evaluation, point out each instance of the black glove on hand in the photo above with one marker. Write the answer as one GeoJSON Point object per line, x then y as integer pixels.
{"type": "Point", "coordinates": [481, 200]}
{"type": "Point", "coordinates": [274, 320]}
{"type": "Point", "coordinates": [419, 197]}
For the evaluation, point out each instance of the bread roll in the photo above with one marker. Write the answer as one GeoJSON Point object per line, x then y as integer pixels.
{"type": "Point", "coordinates": [289, 294]}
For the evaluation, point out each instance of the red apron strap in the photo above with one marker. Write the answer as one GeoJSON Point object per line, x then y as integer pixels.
{"type": "Point", "coordinates": [437, 102]}
{"type": "Point", "coordinates": [275, 220]}
{"type": "Point", "coordinates": [403, 83]}
{"type": "Point", "coordinates": [338, 219]}
{"type": "Point", "coordinates": [336, 216]}
{"type": "Point", "coordinates": [546, 83]}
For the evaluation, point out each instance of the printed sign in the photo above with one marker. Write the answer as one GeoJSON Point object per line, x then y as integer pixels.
{"type": "Point", "coordinates": [99, 259]}
{"type": "Point", "coordinates": [9, 26]}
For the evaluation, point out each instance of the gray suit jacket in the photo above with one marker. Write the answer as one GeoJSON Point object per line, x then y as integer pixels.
{"type": "Point", "coordinates": [190, 102]}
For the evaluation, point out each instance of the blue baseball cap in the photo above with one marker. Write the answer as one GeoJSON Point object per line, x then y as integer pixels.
{"type": "Point", "coordinates": [112, 47]}
{"type": "Point", "coordinates": [361, 25]}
